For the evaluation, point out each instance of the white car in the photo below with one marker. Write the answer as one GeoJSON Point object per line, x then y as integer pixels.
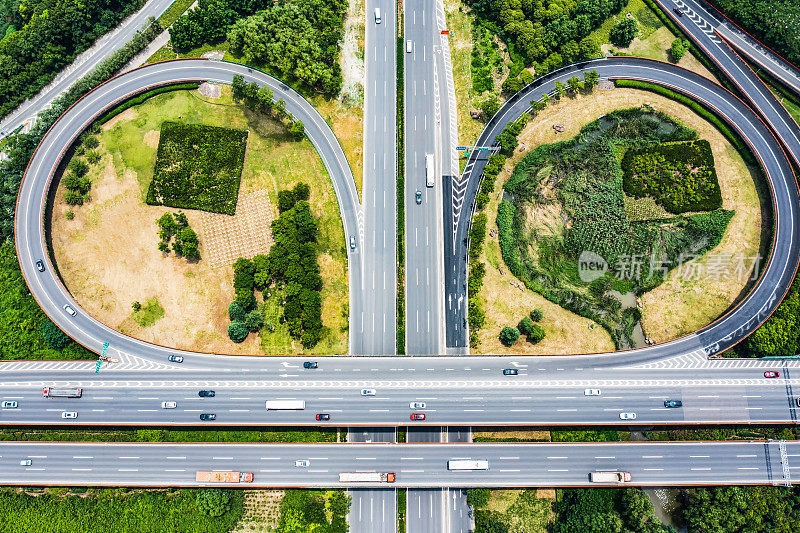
{"type": "Point", "coordinates": [302, 463]}
{"type": "Point", "coordinates": [627, 416]}
{"type": "Point", "coordinates": [591, 392]}
{"type": "Point", "coordinates": [9, 405]}
{"type": "Point", "coordinates": [25, 462]}
{"type": "Point", "coordinates": [69, 310]}
{"type": "Point", "coordinates": [409, 46]}
{"type": "Point", "coordinates": [69, 414]}
{"type": "Point", "coordinates": [368, 392]}
{"type": "Point", "coordinates": [416, 405]}
{"type": "Point", "coordinates": [169, 405]}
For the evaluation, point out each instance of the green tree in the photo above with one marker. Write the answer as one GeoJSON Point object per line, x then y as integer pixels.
{"type": "Point", "coordinates": [57, 339]}
{"type": "Point", "coordinates": [490, 105]}
{"type": "Point", "coordinates": [478, 497]}
{"type": "Point", "coordinates": [136, 306]}
{"type": "Point", "coordinates": [589, 49]}
{"type": "Point", "coordinates": [297, 130]}
{"type": "Point", "coordinates": [535, 334]}
{"type": "Point", "coordinates": [591, 78]}
{"type": "Point", "coordinates": [237, 331]}
{"type": "Point", "coordinates": [678, 49]}
{"type": "Point", "coordinates": [636, 508]}
{"type": "Point", "coordinates": [525, 326]}
{"type": "Point", "coordinates": [253, 321]}
{"type": "Point", "coordinates": [302, 192]}
{"type": "Point", "coordinates": [235, 312]}
{"type": "Point", "coordinates": [213, 502]}
{"type": "Point", "coordinates": [90, 142]}
{"type": "Point", "coordinates": [536, 315]}
{"type": "Point", "coordinates": [623, 32]}
{"type": "Point", "coordinates": [509, 335]}
{"type": "Point", "coordinates": [93, 157]}
{"type": "Point", "coordinates": [238, 88]}
{"type": "Point", "coordinates": [286, 200]}
{"type": "Point", "coordinates": [79, 167]}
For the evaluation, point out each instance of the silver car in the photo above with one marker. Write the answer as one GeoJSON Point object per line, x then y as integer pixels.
{"type": "Point", "coordinates": [9, 405]}
{"type": "Point", "coordinates": [416, 405]}
{"type": "Point", "coordinates": [627, 416]}
{"type": "Point", "coordinates": [69, 414]}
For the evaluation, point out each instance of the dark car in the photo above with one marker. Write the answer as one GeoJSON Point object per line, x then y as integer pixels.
{"type": "Point", "coordinates": [418, 416]}
{"type": "Point", "coordinates": [510, 372]}
{"type": "Point", "coordinates": [673, 403]}
{"type": "Point", "coordinates": [677, 11]}
{"type": "Point", "coordinates": [772, 374]}
{"type": "Point", "coordinates": [206, 393]}
{"type": "Point", "coordinates": [176, 358]}
{"type": "Point", "coordinates": [40, 265]}
{"type": "Point", "coordinates": [310, 364]}
{"type": "Point", "coordinates": [323, 416]}
{"type": "Point", "coordinates": [418, 197]}
{"type": "Point", "coordinates": [208, 416]}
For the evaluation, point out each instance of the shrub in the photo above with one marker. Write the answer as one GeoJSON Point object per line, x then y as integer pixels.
{"type": "Point", "coordinates": [246, 299]}
{"type": "Point", "coordinates": [237, 331]}
{"type": "Point", "coordinates": [623, 32]}
{"type": "Point", "coordinates": [213, 502]}
{"type": "Point", "coordinates": [302, 192]}
{"type": "Point", "coordinates": [509, 335]}
{"type": "Point", "coordinates": [536, 315]}
{"type": "Point", "coordinates": [93, 157]}
{"type": "Point", "coordinates": [70, 214]}
{"type": "Point", "coordinates": [73, 198]}
{"type": "Point", "coordinates": [286, 200]}
{"type": "Point", "coordinates": [678, 49]}
{"type": "Point", "coordinates": [479, 497]}
{"type": "Point", "coordinates": [535, 334]}
{"type": "Point", "coordinates": [79, 167]}
{"type": "Point", "coordinates": [90, 142]}
{"type": "Point", "coordinates": [57, 339]}
{"type": "Point", "coordinates": [490, 105]}
{"type": "Point", "coordinates": [253, 321]}
{"type": "Point", "coordinates": [235, 312]}
{"type": "Point", "coordinates": [136, 306]}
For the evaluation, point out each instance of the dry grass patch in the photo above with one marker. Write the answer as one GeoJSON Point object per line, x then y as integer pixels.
{"type": "Point", "coordinates": [347, 122]}
{"type": "Point", "coordinates": [532, 435]}
{"type": "Point", "coordinates": [261, 511]}
{"type": "Point", "coordinates": [674, 308]}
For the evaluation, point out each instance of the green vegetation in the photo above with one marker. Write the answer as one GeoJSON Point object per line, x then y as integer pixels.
{"type": "Point", "coordinates": [509, 335]}
{"type": "Point", "coordinates": [779, 336]}
{"type": "Point", "coordinates": [174, 11]}
{"type": "Point", "coordinates": [148, 314]}
{"type": "Point", "coordinates": [486, 58]}
{"type": "Point", "coordinates": [168, 435]}
{"type": "Point", "coordinates": [401, 510]}
{"type": "Point", "coordinates": [698, 108]}
{"type": "Point", "coordinates": [198, 167]}
{"type": "Point", "coordinates": [584, 176]}
{"type": "Point", "coordinates": [773, 22]}
{"type": "Point", "coordinates": [23, 330]}
{"type": "Point", "coordinates": [546, 34]}
{"type": "Point", "coordinates": [401, 203]}
{"type": "Point", "coordinates": [623, 33]}
{"type": "Point", "coordinates": [525, 514]}
{"type": "Point", "coordinates": [678, 49]}
{"type": "Point", "coordinates": [314, 510]}
{"type": "Point", "coordinates": [177, 226]}
{"type": "Point", "coordinates": [118, 510]}
{"type": "Point", "coordinates": [143, 97]}
{"type": "Point", "coordinates": [590, 510]}
{"type": "Point", "coordinates": [259, 99]}
{"type": "Point", "coordinates": [38, 38]}
{"type": "Point", "coordinates": [679, 176]}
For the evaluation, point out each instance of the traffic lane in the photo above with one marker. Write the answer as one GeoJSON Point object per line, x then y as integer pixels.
{"type": "Point", "coordinates": [392, 406]}
{"type": "Point", "coordinates": [425, 510]}
{"type": "Point", "coordinates": [541, 464]}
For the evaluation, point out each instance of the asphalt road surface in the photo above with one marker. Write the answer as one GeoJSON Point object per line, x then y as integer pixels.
{"type": "Point", "coordinates": [373, 509]}
{"type": "Point", "coordinates": [415, 465]}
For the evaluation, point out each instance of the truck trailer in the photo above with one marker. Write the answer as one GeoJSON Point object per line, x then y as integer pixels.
{"type": "Point", "coordinates": [54, 392]}
{"type": "Point", "coordinates": [223, 476]}
{"type": "Point", "coordinates": [609, 477]}
{"type": "Point", "coordinates": [375, 477]}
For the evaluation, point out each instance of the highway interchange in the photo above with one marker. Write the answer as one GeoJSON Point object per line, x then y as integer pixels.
{"type": "Point", "coordinates": [548, 391]}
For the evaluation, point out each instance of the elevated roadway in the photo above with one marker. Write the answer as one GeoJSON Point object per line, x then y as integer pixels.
{"type": "Point", "coordinates": [415, 465]}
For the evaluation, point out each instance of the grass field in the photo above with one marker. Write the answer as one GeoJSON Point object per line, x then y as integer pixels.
{"type": "Point", "coordinates": [149, 314]}
{"type": "Point", "coordinates": [194, 296]}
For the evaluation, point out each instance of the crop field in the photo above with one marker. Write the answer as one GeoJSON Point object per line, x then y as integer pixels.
{"type": "Point", "coordinates": [678, 176]}
{"type": "Point", "coordinates": [198, 167]}
{"type": "Point", "coordinates": [584, 176]}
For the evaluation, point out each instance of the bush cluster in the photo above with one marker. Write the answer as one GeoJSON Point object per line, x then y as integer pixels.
{"type": "Point", "coordinates": [485, 58]}
{"type": "Point", "coordinates": [259, 99]}
{"type": "Point", "coordinates": [623, 33]}
{"type": "Point", "coordinates": [309, 510]}
{"type": "Point", "coordinates": [177, 227]}
{"type": "Point", "coordinates": [198, 167]}
{"type": "Point", "coordinates": [681, 177]}
{"type": "Point", "coordinates": [678, 49]}
{"type": "Point", "coordinates": [77, 182]}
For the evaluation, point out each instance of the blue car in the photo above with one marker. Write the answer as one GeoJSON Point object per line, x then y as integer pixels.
{"type": "Point", "coordinates": [510, 372]}
{"type": "Point", "coordinates": [206, 393]}
{"type": "Point", "coordinates": [673, 403]}
{"type": "Point", "coordinates": [310, 364]}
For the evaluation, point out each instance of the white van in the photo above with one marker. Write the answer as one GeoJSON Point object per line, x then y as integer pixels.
{"type": "Point", "coordinates": [409, 46]}
{"type": "Point", "coordinates": [377, 15]}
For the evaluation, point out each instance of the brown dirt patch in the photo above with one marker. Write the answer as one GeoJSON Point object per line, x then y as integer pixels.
{"type": "Point", "coordinates": [128, 114]}
{"type": "Point", "coordinates": [514, 434]}
{"type": "Point", "coordinates": [261, 511]}
{"type": "Point", "coordinates": [677, 306]}
{"type": "Point", "coordinates": [151, 138]}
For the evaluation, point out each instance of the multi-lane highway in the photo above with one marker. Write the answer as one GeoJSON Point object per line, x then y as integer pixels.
{"type": "Point", "coordinates": [415, 465]}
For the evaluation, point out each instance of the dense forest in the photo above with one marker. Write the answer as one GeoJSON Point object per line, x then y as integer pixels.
{"type": "Point", "coordinates": [774, 22]}
{"type": "Point", "coordinates": [41, 37]}
{"type": "Point", "coordinates": [547, 33]}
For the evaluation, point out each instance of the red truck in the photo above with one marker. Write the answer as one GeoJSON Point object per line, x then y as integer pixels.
{"type": "Point", "coordinates": [223, 476]}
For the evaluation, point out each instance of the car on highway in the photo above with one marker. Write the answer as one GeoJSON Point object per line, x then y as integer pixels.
{"type": "Point", "coordinates": [772, 374]}
{"type": "Point", "coordinates": [377, 15]}
{"type": "Point", "coordinates": [169, 405]}
{"type": "Point", "coordinates": [797, 401]}
{"type": "Point", "coordinates": [673, 403]}
{"type": "Point", "coordinates": [591, 392]}
{"type": "Point", "coordinates": [418, 196]}
{"type": "Point", "coordinates": [677, 11]}
{"type": "Point", "coordinates": [352, 242]}
{"type": "Point", "coordinates": [416, 405]}
{"type": "Point", "coordinates": [310, 364]}
{"type": "Point", "coordinates": [323, 416]}
{"type": "Point", "coordinates": [206, 393]}
{"type": "Point", "coordinates": [40, 265]}
{"type": "Point", "coordinates": [627, 416]}
{"type": "Point", "coordinates": [175, 358]}
{"type": "Point", "coordinates": [8, 404]}
{"type": "Point", "coordinates": [208, 416]}
{"type": "Point", "coordinates": [302, 463]}
{"type": "Point", "coordinates": [510, 371]}
{"type": "Point", "coordinates": [409, 46]}
{"type": "Point", "coordinates": [25, 462]}
{"type": "Point", "coordinates": [368, 392]}
{"type": "Point", "coordinates": [418, 416]}
{"type": "Point", "coordinates": [69, 414]}
{"type": "Point", "coordinates": [70, 310]}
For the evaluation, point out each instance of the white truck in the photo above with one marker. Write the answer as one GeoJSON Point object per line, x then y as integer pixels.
{"type": "Point", "coordinates": [429, 170]}
{"type": "Point", "coordinates": [609, 477]}
{"type": "Point", "coordinates": [54, 392]}
{"type": "Point", "coordinates": [362, 477]}
{"type": "Point", "coordinates": [285, 405]}
{"type": "Point", "coordinates": [468, 464]}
